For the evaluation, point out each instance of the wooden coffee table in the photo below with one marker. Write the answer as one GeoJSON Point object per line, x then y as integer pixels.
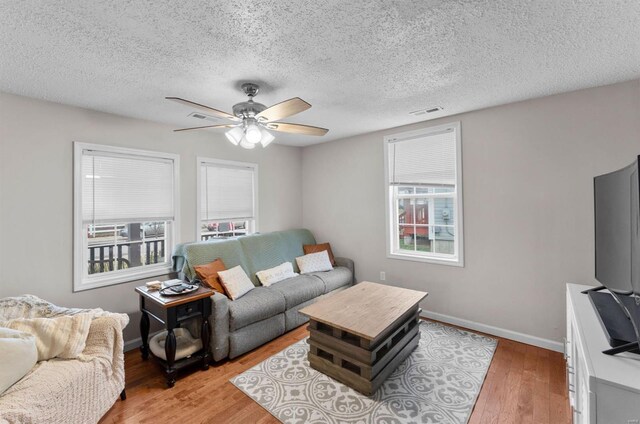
{"type": "Point", "coordinates": [361, 334]}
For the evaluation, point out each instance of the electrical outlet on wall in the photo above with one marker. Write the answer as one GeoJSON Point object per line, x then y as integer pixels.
{"type": "Point", "coordinates": [383, 276]}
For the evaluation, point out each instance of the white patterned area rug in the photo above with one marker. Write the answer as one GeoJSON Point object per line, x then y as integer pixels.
{"type": "Point", "coordinates": [438, 383]}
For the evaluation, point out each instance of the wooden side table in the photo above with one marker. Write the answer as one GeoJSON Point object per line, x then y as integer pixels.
{"type": "Point", "coordinates": [172, 311]}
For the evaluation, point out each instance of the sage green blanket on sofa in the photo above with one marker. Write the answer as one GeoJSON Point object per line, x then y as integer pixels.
{"type": "Point", "coordinates": [254, 253]}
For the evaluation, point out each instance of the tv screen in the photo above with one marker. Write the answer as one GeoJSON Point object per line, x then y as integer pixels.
{"type": "Point", "coordinates": [617, 225]}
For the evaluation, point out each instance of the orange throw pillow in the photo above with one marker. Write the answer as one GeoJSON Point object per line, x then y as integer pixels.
{"type": "Point", "coordinates": [315, 248]}
{"type": "Point", "coordinates": [209, 274]}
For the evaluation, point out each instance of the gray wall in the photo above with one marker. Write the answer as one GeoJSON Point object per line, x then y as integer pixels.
{"type": "Point", "coordinates": [528, 170]}
{"type": "Point", "coordinates": [528, 205]}
{"type": "Point", "coordinates": [36, 196]}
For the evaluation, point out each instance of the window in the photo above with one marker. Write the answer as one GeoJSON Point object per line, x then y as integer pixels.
{"type": "Point", "coordinates": [228, 198]}
{"type": "Point", "coordinates": [125, 214]}
{"type": "Point", "coordinates": [424, 192]}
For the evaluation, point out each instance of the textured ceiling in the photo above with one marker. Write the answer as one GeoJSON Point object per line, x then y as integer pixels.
{"type": "Point", "coordinates": [362, 65]}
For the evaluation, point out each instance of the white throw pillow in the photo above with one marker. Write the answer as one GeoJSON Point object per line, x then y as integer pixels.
{"type": "Point", "coordinates": [60, 337]}
{"type": "Point", "coordinates": [19, 354]}
{"type": "Point", "coordinates": [236, 282]}
{"type": "Point", "coordinates": [275, 274]}
{"type": "Point", "coordinates": [314, 262]}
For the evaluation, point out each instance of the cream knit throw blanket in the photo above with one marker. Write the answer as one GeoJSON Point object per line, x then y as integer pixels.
{"type": "Point", "coordinates": [30, 306]}
{"type": "Point", "coordinates": [60, 332]}
{"type": "Point", "coordinates": [58, 337]}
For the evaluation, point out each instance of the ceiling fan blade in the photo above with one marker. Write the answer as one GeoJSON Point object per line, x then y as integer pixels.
{"type": "Point", "coordinates": [296, 128]}
{"type": "Point", "coordinates": [283, 109]}
{"type": "Point", "coordinates": [208, 126]}
{"type": "Point", "coordinates": [205, 108]}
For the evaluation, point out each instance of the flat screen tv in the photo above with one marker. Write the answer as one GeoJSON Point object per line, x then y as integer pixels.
{"type": "Point", "coordinates": [617, 246]}
{"type": "Point", "coordinates": [617, 215]}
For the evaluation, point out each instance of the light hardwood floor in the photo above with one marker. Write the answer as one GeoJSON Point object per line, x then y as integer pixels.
{"type": "Point", "coordinates": [525, 384]}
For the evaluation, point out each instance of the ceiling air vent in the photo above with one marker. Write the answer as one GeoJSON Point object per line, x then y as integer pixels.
{"type": "Point", "coordinates": [204, 116]}
{"type": "Point", "coordinates": [421, 112]}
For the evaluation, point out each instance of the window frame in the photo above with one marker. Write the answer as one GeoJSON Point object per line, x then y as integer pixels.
{"type": "Point", "coordinates": [200, 161]}
{"type": "Point", "coordinates": [83, 282]}
{"type": "Point", "coordinates": [391, 198]}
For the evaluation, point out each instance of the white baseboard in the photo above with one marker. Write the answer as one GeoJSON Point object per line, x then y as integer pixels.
{"type": "Point", "coordinates": [496, 331]}
{"type": "Point", "coordinates": [132, 344]}
{"type": "Point", "coordinates": [472, 325]}
{"type": "Point", "coordinates": [137, 342]}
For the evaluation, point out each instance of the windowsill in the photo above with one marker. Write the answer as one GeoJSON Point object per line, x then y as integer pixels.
{"type": "Point", "coordinates": [128, 277]}
{"type": "Point", "coordinates": [457, 262]}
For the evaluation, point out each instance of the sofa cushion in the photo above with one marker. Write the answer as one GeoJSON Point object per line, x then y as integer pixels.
{"type": "Point", "coordinates": [336, 278]}
{"type": "Point", "coordinates": [208, 273]}
{"type": "Point", "coordinates": [293, 318]}
{"type": "Point", "coordinates": [19, 355]}
{"type": "Point", "coordinates": [314, 262]}
{"type": "Point", "coordinates": [259, 304]}
{"type": "Point", "coordinates": [254, 335]}
{"type": "Point", "coordinates": [299, 289]}
{"type": "Point", "coordinates": [235, 281]}
{"type": "Point", "coordinates": [315, 248]}
{"type": "Point", "coordinates": [276, 274]}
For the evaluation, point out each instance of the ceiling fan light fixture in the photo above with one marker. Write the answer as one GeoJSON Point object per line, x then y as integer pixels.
{"type": "Point", "coordinates": [267, 137]}
{"type": "Point", "coordinates": [246, 144]}
{"type": "Point", "coordinates": [252, 122]}
{"type": "Point", "coordinates": [253, 133]}
{"type": "Point", "coordinates": [235, 135]}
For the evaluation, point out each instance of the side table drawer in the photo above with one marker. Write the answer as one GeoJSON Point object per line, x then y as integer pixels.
{"type": "Point", "coordinates": [188, 310]}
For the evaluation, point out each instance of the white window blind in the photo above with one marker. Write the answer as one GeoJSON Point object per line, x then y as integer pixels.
{"type": "Point", "coordinates": [424, 160]}
{"type": "Point", "coordinates": [227, 192]}
{"type": "Point", "coordinates": [424, 185]}
{"type": "Point", "coordinates": [126, 188]}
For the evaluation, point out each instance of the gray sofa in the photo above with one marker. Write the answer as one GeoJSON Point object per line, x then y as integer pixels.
{"type": "Point", "coordinates": [238, 326]}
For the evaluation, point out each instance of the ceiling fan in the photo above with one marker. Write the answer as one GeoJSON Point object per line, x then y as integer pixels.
{"type": "Point", "coordinates": [251, 120]}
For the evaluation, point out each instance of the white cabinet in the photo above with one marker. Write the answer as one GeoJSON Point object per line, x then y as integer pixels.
{"type": "Point", "coordinates": [602, 389]}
